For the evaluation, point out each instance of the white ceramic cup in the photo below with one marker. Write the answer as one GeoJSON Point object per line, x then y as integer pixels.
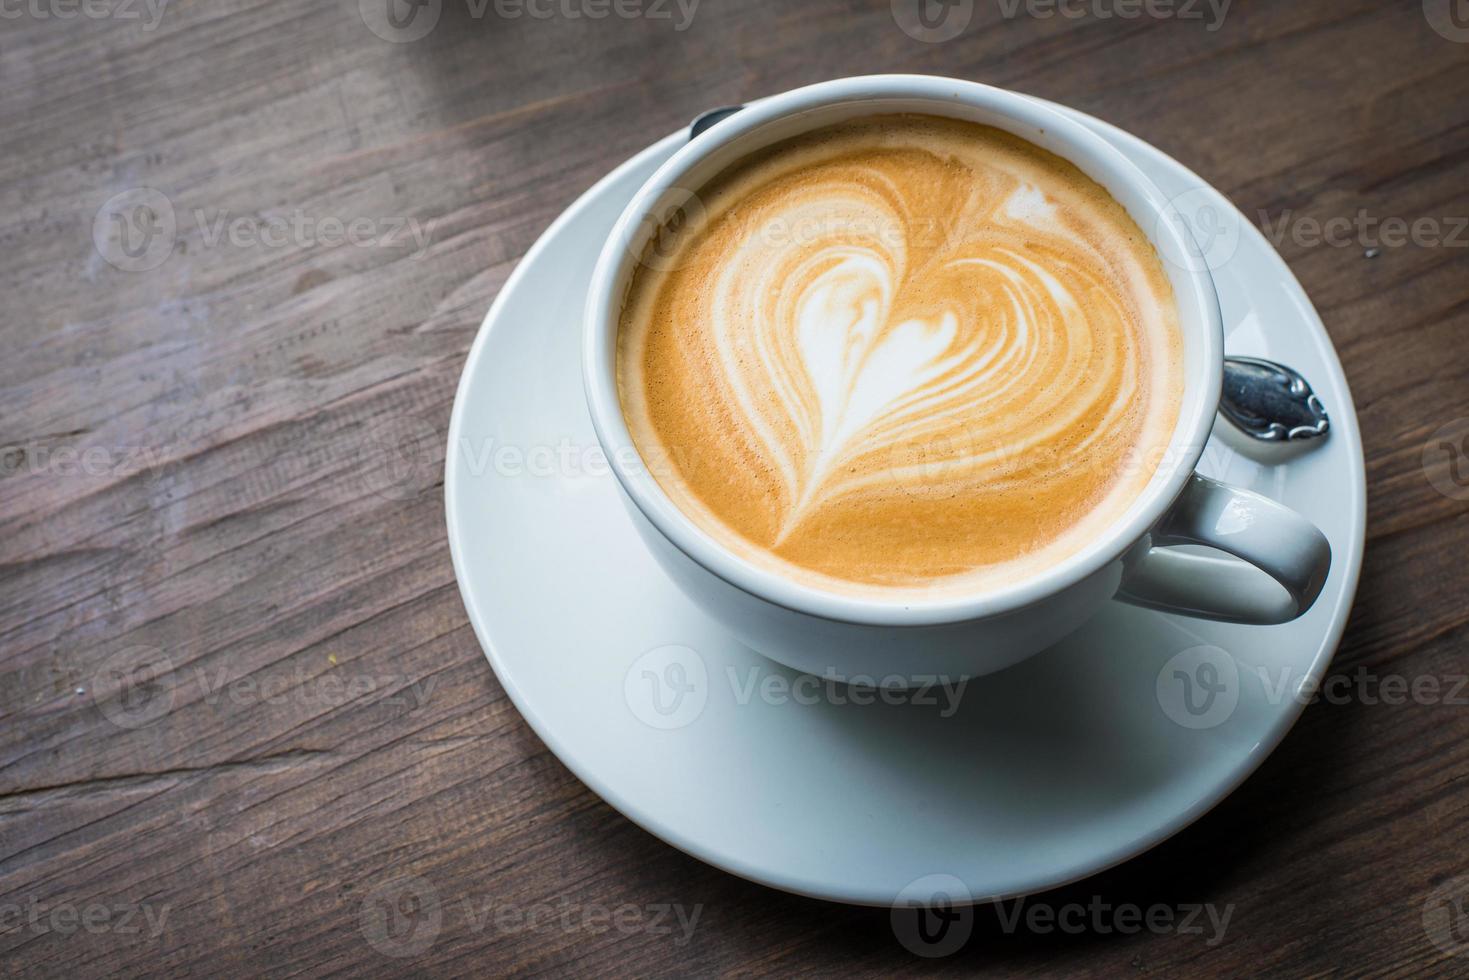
{"type": "Point", "coordinates": [1281, 559]}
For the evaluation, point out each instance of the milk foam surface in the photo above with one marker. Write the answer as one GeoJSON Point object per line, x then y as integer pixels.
{"type": "Point", "coordinates": [902, 353]}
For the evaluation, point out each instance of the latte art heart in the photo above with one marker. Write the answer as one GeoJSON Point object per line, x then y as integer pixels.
{"type": "Point", "coordinates": [902, 353]}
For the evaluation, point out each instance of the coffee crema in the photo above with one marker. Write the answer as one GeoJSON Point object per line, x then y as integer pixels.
{"type": "Point", "coordinates": [901, 353]}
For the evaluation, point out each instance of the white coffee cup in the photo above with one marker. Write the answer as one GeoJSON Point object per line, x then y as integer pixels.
{"type": "Point", "coordinates": [1281, 559]}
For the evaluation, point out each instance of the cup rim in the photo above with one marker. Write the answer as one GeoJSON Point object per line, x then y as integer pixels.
{"type": "Point", "coordinates": [1198, 304]}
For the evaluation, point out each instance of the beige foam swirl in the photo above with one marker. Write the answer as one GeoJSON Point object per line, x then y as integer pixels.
{"type": "Point", "coordinates": [903, 353]}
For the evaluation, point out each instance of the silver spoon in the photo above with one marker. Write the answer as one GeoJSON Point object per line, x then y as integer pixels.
{"type": "Point", "coordinates": [706, 119]}
{"type": "Point", "coordinates": [1270, 401]}
{"type": "Point", "coordinates": [1265, 400]}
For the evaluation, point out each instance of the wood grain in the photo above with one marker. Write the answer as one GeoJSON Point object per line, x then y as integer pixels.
{"type": "Point", "coordinates": [239, 698]}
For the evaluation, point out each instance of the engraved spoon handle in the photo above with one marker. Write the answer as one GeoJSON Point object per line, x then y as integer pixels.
{"type": "Point", "coordinates": [1270, 401]}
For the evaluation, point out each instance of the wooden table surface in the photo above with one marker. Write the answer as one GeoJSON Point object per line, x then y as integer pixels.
{"type": "Point", "coordinates": [248, 245]}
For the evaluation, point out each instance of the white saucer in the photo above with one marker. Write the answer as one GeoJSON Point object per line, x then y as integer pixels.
{"type": "Point", "coordinates": [1073, 761]}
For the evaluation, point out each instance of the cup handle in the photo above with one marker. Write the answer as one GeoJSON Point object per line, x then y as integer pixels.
{"type": "Point", "coordinates": [1269, 536]}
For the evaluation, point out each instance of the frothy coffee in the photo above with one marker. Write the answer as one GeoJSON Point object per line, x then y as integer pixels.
{"type": "Point", "coordinates": [901, 353]}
